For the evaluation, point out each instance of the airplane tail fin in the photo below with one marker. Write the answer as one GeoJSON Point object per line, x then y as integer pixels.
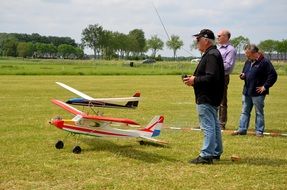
{"type": "Point", "coordinates": [133, 104]}
{"type": "Point", "coordinates": [154, 127]}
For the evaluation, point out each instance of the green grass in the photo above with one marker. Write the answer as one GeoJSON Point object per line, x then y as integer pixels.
{"type": "Point", "coordinates": [90, 67]}
{"type": "Point", "coordinates": [29, 160]}
{"type": "Point", "coordinates": [12, 66]}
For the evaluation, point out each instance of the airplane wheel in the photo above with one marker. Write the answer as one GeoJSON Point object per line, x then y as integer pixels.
{"type": "Point", "coordinates": [59, 145]}
{"type": "Point", "coordinates": [77, 150]}
{"type": "Point", "coordinates": [142, 142]}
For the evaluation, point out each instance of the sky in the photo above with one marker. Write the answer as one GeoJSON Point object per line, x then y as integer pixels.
{"type": "Point", "coordinates": [257, 20]}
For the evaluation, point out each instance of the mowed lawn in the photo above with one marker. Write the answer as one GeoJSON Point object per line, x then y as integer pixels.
{"type": "Point", "coordinates": [29, 159]}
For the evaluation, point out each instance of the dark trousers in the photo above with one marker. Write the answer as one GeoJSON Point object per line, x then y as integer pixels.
{"type": "Point", "coordinates": [223, 105]}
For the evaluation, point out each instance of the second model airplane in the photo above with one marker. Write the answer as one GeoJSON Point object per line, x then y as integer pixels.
{"type": "Point", "coordinates": [101, 126]}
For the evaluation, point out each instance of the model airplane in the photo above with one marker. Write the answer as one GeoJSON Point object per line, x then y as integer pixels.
{"type": "Point", "coordinates": [85, 100]}
{"type": "Point", "coordinates": [101, 126]}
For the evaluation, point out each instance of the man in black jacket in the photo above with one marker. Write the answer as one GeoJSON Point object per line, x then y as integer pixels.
{"type": "Point", "coordinates": [259, 75]}
{"type": "Point", "coordinates": [208, 84]}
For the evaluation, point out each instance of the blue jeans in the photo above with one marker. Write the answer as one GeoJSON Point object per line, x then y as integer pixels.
{"type": "Point", "coordinates": [247, 104]}
{"type": "Point", "coordinates": [208, 118]}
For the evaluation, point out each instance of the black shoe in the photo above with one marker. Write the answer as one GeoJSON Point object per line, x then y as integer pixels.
{"type": "Point", "coordinates": [201, 160]}
{"type": "Point", "coordinates": [238, 133]}
{"type": "Point", "coordinates": [216, 158]}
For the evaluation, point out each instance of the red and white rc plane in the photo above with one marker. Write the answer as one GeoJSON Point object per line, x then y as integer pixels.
{"type": "Point", "coordinates": [101, 126]}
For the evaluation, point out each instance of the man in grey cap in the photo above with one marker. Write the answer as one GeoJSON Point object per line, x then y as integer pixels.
{"type": "Point", "coordinates": [208, 84]}
{"type": "Point", "coordinates": [259, 76]}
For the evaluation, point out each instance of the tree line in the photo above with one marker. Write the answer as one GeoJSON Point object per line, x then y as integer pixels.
{"type": "Point", "coordinates": [37, 46]}
{"type": "Point", "coordinates": [108, 44]}
{"type": "Point", "coordinates": [274, 49]}
{"type": "Point", "coordinates": [105, 44]}
{"type": "Point", "coordinates": [113, 45]}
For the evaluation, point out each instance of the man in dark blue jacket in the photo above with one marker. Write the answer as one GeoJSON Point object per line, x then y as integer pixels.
{"type": "Point", "coordinates": [258, 75]}
{"type": "Point", "coordinates": [208, 84]}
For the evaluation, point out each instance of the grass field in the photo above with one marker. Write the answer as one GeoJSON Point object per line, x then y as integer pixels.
{"type": "Point", "coordinates": [29, 160]}
{"type": "Point", "coordinates": [12, 66]}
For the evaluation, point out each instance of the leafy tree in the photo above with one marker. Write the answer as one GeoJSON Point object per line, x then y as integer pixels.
{"type": "Point", "coordinates": [61, 40]}
{"type": "Point", "coordinates": [155, 44]}
{"type": "Point", "coordinates": [51, 50]}
{"type": "Point", "coordinates": [92, 36]}
{"type": "Point", "coordinates": [239, 43]}
{"type": "Point", "coordinates": [43, 50]}
{"type": "Point", "coordinates": [25, 49]}
{"type": "Point", "coordinates": [281, 48]}
{"type": "Point", "coordinates": [36, 38]}
{"type": "Point", "coordinates": [109, 44]}
{"type": "Point", "coordinates": [79, 52]}
{"type": "Point", "coordinates": [121, 44]}
{"type": "Point", "coordinates": [9, 47]}
{"type": "Point", "coordinates": [139, 41]}
{"type": "Point", "coordinates": [128, 45]}
{"type": "Point", "coordinates": [268, 46]}
{"type": "Point", "coordinates": [40, 50]}
{"type": "Point", "coordinates": [174, 43]}
{"type": "Point", "coordinates": [132, 46]}
{"type": "Point", "coordinates": [67, 51]}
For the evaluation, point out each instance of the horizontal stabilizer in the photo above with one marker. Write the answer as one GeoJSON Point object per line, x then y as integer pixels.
{"type": "Point", "coordinates": [154, 140]}
{"type": "Point", "coordinates": [133, 104]}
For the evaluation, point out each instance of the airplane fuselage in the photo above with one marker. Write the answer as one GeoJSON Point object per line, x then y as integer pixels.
{"type": "Point", "coordinates": [95, 129]}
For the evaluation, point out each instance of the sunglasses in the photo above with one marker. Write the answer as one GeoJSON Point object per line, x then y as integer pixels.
{"type": "Point", "coordinates": [198, 39]}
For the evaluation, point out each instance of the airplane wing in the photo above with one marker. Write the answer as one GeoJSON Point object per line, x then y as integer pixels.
{"type": "Point", "coordinates": [136, 96]}
{"type": "Point", "coordinates": [75, 91]}
{"type": "Point", "coordinates": [92, 117]}
{"type": "Point", "coordinates": [68, 107]}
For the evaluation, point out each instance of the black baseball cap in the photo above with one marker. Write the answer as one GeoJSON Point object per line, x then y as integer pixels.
{"type": "Point", "coordinates": [206, 33]}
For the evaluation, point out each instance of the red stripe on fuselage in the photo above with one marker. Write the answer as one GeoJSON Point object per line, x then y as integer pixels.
{"type": "Point", "coordinates": [111, 119]}
{"type": "Point", "coordinates": [90, 131]}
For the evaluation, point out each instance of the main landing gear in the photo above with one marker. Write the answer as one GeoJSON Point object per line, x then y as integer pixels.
{"type": "Point", "coordinates": [60, 145]}
{"type": "Point", "coordinates": [76, 150]}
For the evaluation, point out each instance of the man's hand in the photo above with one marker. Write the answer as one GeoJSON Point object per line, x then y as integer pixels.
{"type": "Point", "coordinates": [242, 76]}
{"type": "Point", "coordinates": [260, 89]}
{"type": "Point", "coordinates": [189, 81]}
